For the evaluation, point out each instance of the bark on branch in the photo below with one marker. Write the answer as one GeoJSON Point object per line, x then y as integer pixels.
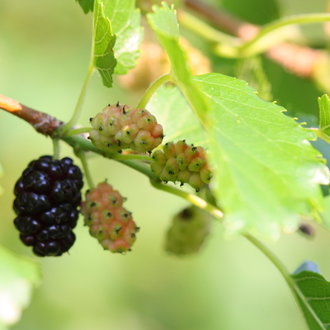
{"type": "Point", "coordinates": [42, 122]}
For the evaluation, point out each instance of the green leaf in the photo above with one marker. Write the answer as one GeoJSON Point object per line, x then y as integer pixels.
{"type": "Point", "coordinates": [324, 110]}
{"type": "Point", "coordinates": [313, 293]}
{"type": "Point", "coordinates": [117, 37]}
{"type": "Point", "coordinates": [267, 173]}
{"type": "Point", "coordinates": [103, 44]}
{"type": "Point", "coordinates": [86, 5]}
{"type": "Point", "coordinates": [326, 212]}
{"type": "Point", "coordinates": [174, 113]}
{"type": "Point", "coordinates": [125, 21]}
{"type": "Point", "coordinates": [164, 22]}
{"type": "Point", "coordinates": [18, 275]}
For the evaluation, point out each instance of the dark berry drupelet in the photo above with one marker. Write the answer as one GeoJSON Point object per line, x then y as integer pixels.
{"type": "Point", "coordinates": [47, 198]}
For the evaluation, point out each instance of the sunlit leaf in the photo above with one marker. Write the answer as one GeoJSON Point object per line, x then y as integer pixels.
{"type": "Point", "coordinates": [326, 212]}
{"type": "Point", "coordinates": [267, 174]}
{"type": "Point", "coordinates": [117, 37]}
{"type": "Point", "coordinates": [174, 113]}
{"type": "Point", "coordinates": [125, 22]}
{"type": "Point", "coordinates": [103, 44]}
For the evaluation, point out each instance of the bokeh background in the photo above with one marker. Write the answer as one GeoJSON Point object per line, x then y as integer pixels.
{"type": "Point", "coordinates": [44, 52]}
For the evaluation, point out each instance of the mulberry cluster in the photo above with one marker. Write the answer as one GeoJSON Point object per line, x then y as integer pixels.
{"type": "Point", "coordinates": [120, 127]}
{"type": "Point", "coordinates": [47, 197]}
{"type": "Point", "coordinates": [188, 231]}
{"type": "Point", "coordinates": [110, 223]}
{"type": "Point", "coordinates": [182, 162]}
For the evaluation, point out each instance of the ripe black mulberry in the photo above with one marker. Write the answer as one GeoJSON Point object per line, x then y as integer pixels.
{"type": "Point", "coordinates": [47, 197]}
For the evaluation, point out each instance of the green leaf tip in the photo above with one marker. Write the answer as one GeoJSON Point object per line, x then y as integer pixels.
{"type": "Point", "coordinates": [86, 5]}
{"type": "Point", "coordinates": [164, 22]}
{"type": "Point", "coordinates": [324, 113]}
{"type": "Point", "coordinates": [313, 295]}
{"type": "Point", "coordinates": [163, 19]}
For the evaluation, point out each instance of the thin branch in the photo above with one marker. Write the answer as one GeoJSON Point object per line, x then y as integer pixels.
{"type": "Point", "coordinates": [81, 145]}
{"type": "Point", "coordinates": [41, 122]}
{"type": "Point", "coordinates": [299, 60]}
{"type": "Point", "coordinates": [151, 90]}
{"type": "Point", "coordinates": [221, 19]}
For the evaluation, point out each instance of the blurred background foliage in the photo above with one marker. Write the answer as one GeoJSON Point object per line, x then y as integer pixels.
{"type": "Point", "coordinates": [44, 52]}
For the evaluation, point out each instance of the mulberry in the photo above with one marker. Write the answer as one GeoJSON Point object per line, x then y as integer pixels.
{"type": "Point", "coordinates": [182, 162]}
{"type": "Point", "coordinates": [188, 231]}
{"type": "Point", "coordinates": [120, 127]}
{"type": "Point", "coordinates": [47, 197]}
{"type": "Point", "coordinates": [110, 223]}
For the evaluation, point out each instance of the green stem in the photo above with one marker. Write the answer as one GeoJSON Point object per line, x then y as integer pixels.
{"type": "Point", "coordinates": [226, 45]}
{"type": "Point", "coordinates": [205, 31]}
{"type": "Point", "coordinates": [78, 131]}
{"type": "Point", "coordinates": [297, 294]}
{"type": "Point", "coordinates": [56, 148]}
{"type": "Point", "coordinates": [79, 143]}
{"type": "Point", "coordinates": [191, 198]}
{"type": "Point", "coordinates": [319, 133]}
{"type": "Point", "coordinates": [80, 101]}
{"type": "Point", "coordinates": [295, 19]}
{"type": "Point", "coordinates": [82, 156]}
{"type": "Point", "coordinates": [276, 262]}
{"type": "Point", "coordinates": [143, 158]}
{"type": "Point", "coordinates": [152, 89]}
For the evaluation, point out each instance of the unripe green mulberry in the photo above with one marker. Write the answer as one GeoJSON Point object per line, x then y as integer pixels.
{"type": "Point", "coordinates": [110, 223]}
{"type": "Point", "coordinates": [120, 127]}
{"type": "Point", "coordinates": [182, 162]}
{"type": "Point", "coordinates": [188, 231]}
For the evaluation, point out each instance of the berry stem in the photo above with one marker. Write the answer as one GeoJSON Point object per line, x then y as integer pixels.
{"type": "Point", "coordinates": [152, 89]}
{"type": "Point", "coordinates": [56, 148]}
{"type": "Point", "coordinates": [78, 131]}
{"type": "Point", "coordinates": [206, 31]}
{"type": "Point", "coordinates": [191, 198]}
{"type": "Point", "coordinates": [249, 49]}
{"type": "Point", "coordinates": [78, 109]}
{"type": "Point", "coordinates": [144, 158]}
{"type": "Point", "coordinates": [84, 163]}
{"type": "Point", "coordinates": [82, 144]}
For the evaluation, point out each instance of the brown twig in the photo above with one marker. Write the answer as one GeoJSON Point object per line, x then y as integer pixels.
{"type": "Point", "coordinates": [221, 18]}
{"type": "Point", "coordinates": [42, 122]}
{"type": "Point", "coordinates": [300, 60]}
